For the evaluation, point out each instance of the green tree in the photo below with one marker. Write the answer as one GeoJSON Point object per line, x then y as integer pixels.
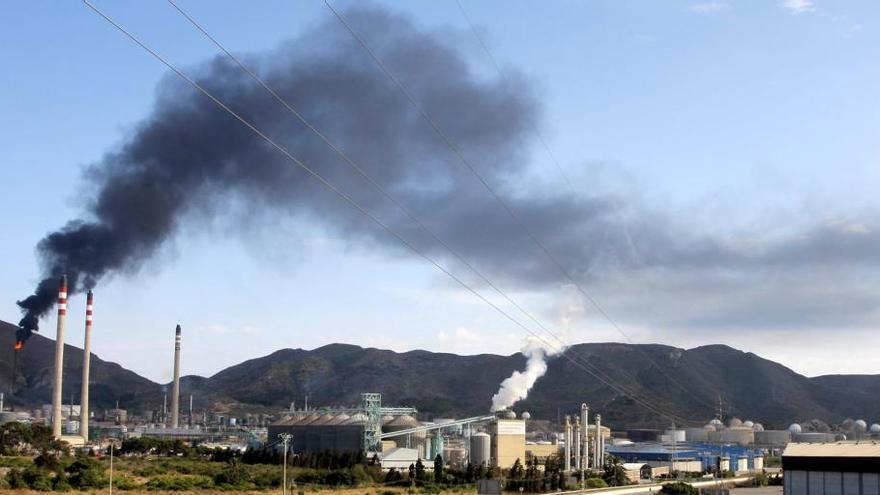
{"type": "Point", "coordinates": [85, 473]}
{"type": "Point", "coordinates": [614, 474]}
{"type": "Point", "coordinates": [438, 469]}
{"type": "Point", "coordinates": [420, 470]}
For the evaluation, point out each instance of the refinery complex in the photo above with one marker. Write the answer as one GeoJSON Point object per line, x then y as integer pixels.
{"type": "Point", "coordinates": [399, 435]}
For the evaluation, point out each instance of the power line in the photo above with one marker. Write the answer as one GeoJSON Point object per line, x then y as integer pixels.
{"type": "Point", "coordinates": [534, 126]}
{"type": "Point", "coordinates": [350, 200]}
{"type": "Point", "coordinates": [553, 158]}
{"type": "Point", "coordinates": [507, 208]}
{"type": "Point", "coordinates": [372, 181]}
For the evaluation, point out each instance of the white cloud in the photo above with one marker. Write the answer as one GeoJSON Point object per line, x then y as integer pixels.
{"type": "Point", "coordinates": [461, 335]}
{"type": "Point", "coordinates": [707, 8]}
{"type": "Point", "coordinates": [798, 6]}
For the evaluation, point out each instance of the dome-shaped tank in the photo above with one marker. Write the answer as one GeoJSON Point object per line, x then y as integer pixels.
{"type": "Point", "coordinates": [400, 423]}
{"type": "Point", "coordinates": [323, 420]}
{"type": "Point", "coordinates": [795, 428]}
{"type": "Point", "coordinates": [525, 415]}
{"type": "Point", "coordinates": [861, 425]}
{"type": "Point", "coordinates": [758, 427]}
{"type": "Point", "coordinates": [875, 428]}
{"type": "Point", "coordinates": [338, 419]}
{"type": "Point", "coordinates": [480, 449]}
{"type": "Point", "coordinates": [748, 423]}
{"type": "Point", "coordinates": [509, 414]}
{"type": "Point", "coordinates": [735, 422]}
{"type": "Point", "coordinates": [356, 419]}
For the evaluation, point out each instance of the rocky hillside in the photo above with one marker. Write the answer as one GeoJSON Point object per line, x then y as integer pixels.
{"type": "Point", "coordinates": [685, 383]}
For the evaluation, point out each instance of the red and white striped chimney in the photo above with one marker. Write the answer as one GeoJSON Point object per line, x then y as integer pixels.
{"type": "Point", "coordinates": [87, 351]}
{"type": "Point", "coordinates": [59, 358]}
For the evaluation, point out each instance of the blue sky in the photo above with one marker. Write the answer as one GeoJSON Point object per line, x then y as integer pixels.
{"type": "Point", "coordinates": [753, 123]}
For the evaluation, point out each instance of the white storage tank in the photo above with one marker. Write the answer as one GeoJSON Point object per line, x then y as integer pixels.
{"type": "Point", "coordinates": [697, 434]}
{"type": "Point", "coordinates": [481, 449]}
{"type": "Point", "coordinates": [675, 435]}
{"type": "Point", "coordinates": [775, 438]}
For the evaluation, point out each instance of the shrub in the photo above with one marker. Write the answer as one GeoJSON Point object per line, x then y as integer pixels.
{"type": "Point", "coordinates": [762, 479]}
{"type": "Point", "coordinates": [678, 488]}
{"type": "Point", "coordinates": [59, 484]}
{"type": "Point", "coordinates": [179, 483]}
{"type": "Point", "coordinates": [86, 473]}
{"type": "Point", "coordinates": [595, 483]}
{"type": "Point", "coordinates": [15, 479]}
{"type": "Point", "coordinates": [121, 482]}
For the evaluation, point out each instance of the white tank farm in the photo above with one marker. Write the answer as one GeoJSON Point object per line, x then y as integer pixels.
{"type": "Point", "coordinates": [481, 449]}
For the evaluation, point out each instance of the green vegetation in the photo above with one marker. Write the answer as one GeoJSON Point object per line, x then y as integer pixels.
{"type": "Point", "coordinates": [678, 488]}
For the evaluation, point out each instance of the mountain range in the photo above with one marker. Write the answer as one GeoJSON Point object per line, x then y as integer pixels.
{"type": "Point", "coordinates": [631, 385]}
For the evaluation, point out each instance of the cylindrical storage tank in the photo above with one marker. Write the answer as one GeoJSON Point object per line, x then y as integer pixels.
{"type": "Point", "coordinates": [778, 438]}
{"type": "Point", "coordinates": [8, 417]}
{"type": "Point", "coordinates": [454, 456]}
{"type": "Point", "coordinates": [812, 437]}
{"type": "Point", "coordinates": [758, 462]}
{"type": "Point", "coordinates": [481, 449]}
{"type": "Point", "coordinates": [697, 434]}
{"type": "Point", "coordinates": [425, 451]}
{"type": "Point", "coordinates": [675, 435]}
{"type": "Point", "coordinates": [725, 464]}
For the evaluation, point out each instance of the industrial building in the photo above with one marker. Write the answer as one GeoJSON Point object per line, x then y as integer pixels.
{"type": "Point", "coordinates": [691, 457]}
{"type": "Point", "coordinates": [395, 433]}
{"type": "Point", "coordinates": [840, 468]}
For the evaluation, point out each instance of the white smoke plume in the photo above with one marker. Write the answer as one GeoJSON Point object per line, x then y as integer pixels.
{"type": "Point", "coordinates": [516, 387]}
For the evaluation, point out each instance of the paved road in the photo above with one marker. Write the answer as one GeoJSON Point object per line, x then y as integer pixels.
{"type": "Point", "coordinates": [655, 487]}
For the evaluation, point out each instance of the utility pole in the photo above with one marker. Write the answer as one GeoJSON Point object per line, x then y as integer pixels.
{"type": "Point", "coordinates": [111, 466]}
{"type": "Point", "coordinates": [285, 437]}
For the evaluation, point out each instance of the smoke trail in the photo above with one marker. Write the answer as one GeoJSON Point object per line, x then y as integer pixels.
{"type": "Point", "coordinates": [189, 159]}
{"type": "Point", "coordinates": [517, 386]}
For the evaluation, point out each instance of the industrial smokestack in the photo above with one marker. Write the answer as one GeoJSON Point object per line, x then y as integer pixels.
{"type": "Point", "coordinates": [599, 449]}
{"type": "Point", "coordinates": [585, 419]}
{"type": "Point", "coordinates": [87, 352]}
{"type": "Point", "coordinates": [175, 392]}
{"type": "Point", "coordinates": [568, 441]}
{"type": "Point", "coordinates": [59, 358]}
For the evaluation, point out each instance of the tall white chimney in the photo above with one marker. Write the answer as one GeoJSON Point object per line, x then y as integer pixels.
{"type": "Point", "coordinates": [585, 419]}
{"type": "Point", "coordinates": [59, 358]}
{"type": "Point", "coordinates": [175, 392]}
{"type": "Point", "coordinates": [87, 352]}
{"type": "Point", "coordinates": [568, 441]}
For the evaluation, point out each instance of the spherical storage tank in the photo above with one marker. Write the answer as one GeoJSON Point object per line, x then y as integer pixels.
{"type": "Point", "coordinates": [795, 428]}
{"type": "Point", "coordinates": [875, 428]}
{"type": "Point", "coordinates": [480, 449]}
{"type": "Point", "coordinates": [861, 425]}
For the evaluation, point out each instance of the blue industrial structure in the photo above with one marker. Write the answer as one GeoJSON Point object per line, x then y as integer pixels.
{"type": "Point", "coordinates": [708, 454]}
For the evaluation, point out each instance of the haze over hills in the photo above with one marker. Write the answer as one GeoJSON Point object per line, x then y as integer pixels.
{"type": "Point", "coordinates": [687, 385]}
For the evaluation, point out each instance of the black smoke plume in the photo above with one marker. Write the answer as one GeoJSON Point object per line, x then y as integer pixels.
{"type": "Point", "coordinates": [189, 158]}
{"type": "Point", "coordinates": [188, 161]}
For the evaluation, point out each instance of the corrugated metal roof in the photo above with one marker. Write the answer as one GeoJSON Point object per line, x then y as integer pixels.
{"type": "Point", "coordinates": [836, 449]}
